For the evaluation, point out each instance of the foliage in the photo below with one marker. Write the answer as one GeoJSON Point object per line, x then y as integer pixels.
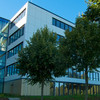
{"type": "Point", "coordinates": [40, 60]}
{"type": "Point", "coordinates": [81, 47]}
{"type": "Point", "coordinates": [93, 10]}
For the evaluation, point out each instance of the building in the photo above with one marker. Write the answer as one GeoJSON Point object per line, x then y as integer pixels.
{"type": "Point", "coordinates": [3, 41]}
{"type": "Point", "coordinates": [26, 21]}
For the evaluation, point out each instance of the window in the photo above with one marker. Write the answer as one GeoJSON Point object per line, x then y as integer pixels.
{"type": "Point", "coordinates": [58, 37]}
{"type": "Point", "coordinates": [15, 50]}
{"type": "Point", "coordinates": [54, 21]}
{"type": "Point", "coordinates": [16, 35]}
{"type": "Point", "coordinates": [58, 23]}
{"type": "Point", "coordinates": [11, 70]}
{"type": "Point", "coordinates": [70, 28]}
{"type": "Point", "coordinates": [66, 26]}
{"type": "Point", "coordinates": [61, 25]}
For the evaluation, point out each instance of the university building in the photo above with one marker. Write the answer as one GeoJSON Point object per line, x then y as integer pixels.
{"type": "Point", "coordinates": [20, 28]}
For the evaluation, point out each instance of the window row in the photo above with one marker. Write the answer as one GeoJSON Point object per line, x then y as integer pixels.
{"type": "Point", "coordinates": [61, 25]}
{"type": "Point", "coordinates": [19, 17]}
{"type": "Point", "coordinates": [81, 75]}
{"type": "Point", "coordinates": [11, 70]}
{"type": "Point", "coordinates": [64, 88]}
{"type": "Point", "coordinates": [16, 35]}
{"type": "Point", "coordinates": [15, 50]}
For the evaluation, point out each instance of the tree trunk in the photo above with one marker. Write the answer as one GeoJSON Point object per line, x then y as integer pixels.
{"type": "Point", "coordinates": [86, 83]}
{"type": "Point", "coordinates": [42, 87]}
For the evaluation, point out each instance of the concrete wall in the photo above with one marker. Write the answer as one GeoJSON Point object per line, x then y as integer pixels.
{"type": "Point", "coordinates": [35, 90]}
{"type": "Point", "coordinates": [21, 87]}
{"type": "Point", "coordinates": [13, 87]}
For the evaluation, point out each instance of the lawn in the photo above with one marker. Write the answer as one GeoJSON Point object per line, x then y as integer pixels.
{"type": "Point", "coordinates": [68, 97]}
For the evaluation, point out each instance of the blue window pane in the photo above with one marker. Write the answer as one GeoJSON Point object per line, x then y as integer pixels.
{"type": "Point", "coordinates": [58, 23]}
{"type": "Point", "coordinates": [20, 47]}
{"type": "Point", "coordinates": [54, 21]}
{"type": "Point", "coordinates": [62, 25]}
{"type": "Point", "coordinates": [23, 31]}
{"type": "Point", "coordinates": [70, 28]}
{"type": "Point", "coordinates": [58, 37]}
{"type": "Point", "coordinates": [66, 26]}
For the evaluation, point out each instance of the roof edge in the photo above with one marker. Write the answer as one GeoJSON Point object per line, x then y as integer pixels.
{"type": "Point", "coordinates": [50, 12]}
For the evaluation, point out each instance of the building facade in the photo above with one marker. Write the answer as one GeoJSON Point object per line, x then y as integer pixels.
{"type": "Point", "coordinates": [22, 26]}
{"type": "Point", "coordinates": [3, 41]}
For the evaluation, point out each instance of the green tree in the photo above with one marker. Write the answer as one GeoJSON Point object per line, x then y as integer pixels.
{"type": "Point", "coordinates": [93, 10]}
{"type": "Point", "coordinates": [81, 47]}
{"type": "Point", "coordinates": [40, 59]}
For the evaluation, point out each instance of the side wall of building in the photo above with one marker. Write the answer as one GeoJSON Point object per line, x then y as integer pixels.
{"type": "Point", "coordinates": [13, 87]}
{"type": "Point", "coordinates": [35, 90]}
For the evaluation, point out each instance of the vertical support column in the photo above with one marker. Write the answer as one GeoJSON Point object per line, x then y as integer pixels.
{"type": "Point", "coordinates": [59, 89]}
{"type": "Point", "coordinates": [53, 88]}
{"type": "Point", "coordinates": [90, 89]}
{"type": "Point", "coordinates": [80, 88]}
{"type": "Point", "coordinates": [93, 89]}
{"type": "Point", "coordinates": [63, 89]}
{"type": "Point", "coordinates": [72, 88]}
{"type": "Point", "coordinates": [68, 88]}
{"type": "Point", "coordinates": [96, 89]}
{"type": "Point", "coordinates": [76, 88]}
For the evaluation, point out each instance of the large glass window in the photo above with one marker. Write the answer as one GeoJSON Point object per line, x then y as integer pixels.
{"type": "Point", "coordinates": [64, 88]}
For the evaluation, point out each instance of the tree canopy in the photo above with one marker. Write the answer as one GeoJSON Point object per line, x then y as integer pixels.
{"type": "Point", "coordinates": [93, 10]}
{"type": "Point", "coordinates": [81, 47]}
{"type": "Point", "coordinates": [40, 60]}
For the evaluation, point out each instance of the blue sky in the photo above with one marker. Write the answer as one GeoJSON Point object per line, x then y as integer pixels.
{"type": "Point", "coordinates": [68, 9]}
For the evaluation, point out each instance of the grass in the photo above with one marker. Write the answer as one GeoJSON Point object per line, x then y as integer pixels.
{"type": "Point", "coordinates": [68, 97]}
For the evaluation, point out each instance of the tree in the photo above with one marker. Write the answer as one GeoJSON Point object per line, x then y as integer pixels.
{"type": "Point", "coordinates": [81, 47]}
{"type": "Point", "coordinates": [40, 59]}
{"type": "Point", "coordinates": [93, 10]}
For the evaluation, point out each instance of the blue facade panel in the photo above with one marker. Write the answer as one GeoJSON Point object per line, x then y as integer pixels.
{"type": "Point", "coordinates": [3, 22]}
